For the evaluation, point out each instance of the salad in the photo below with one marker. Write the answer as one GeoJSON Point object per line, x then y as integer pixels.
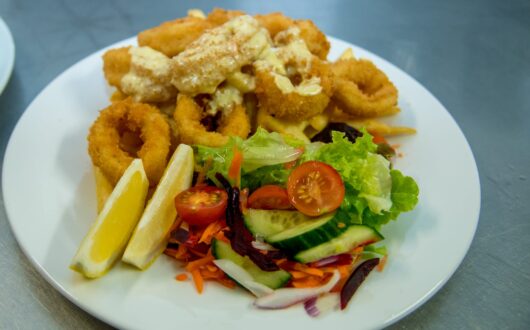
{"type": "Point", "coordinates": [288, 221]}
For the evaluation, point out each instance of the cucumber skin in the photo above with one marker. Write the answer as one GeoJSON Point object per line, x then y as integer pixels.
{"type": "Point", "coordinates": [272, 223]}
{"type": "Point", "coordinates": [343, 243]}
{"type": "Point", "coordinates": [324, 233]}
{"type": "Point", "coordinates": [265, 223]}
{"type": "Point", "coordinates": [274, 280]}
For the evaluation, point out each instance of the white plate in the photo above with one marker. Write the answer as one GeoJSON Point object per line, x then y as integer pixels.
{"type": "Point", "coordinates": [50, 201]}
{"type": "Point", "coordinates": [7, 54]}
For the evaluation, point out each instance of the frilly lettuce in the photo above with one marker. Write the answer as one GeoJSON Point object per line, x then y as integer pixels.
{"type": "Point", "coordinates": [263, 149]}
{"type": "Point", "coordinates": [375, 194]}
{"type": "Point", "coordinates": [367, 172]}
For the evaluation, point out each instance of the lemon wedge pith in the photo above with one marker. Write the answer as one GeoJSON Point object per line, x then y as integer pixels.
{"type": "Point", "coordinates": [152, 233]}
{"type": "Point", "coordinates": [110, 232]}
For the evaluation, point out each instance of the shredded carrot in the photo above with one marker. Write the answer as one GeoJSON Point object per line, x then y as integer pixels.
{"type": "Point", "coordinates": [235, 167]}
{"type": "Point", "coordinates": [290, 164]}
{"type": "Point", "coordinates": [193, 265]}
{"type": "Point", "coordinates": [206, 274]}
{"type": "Point", "coordinates": [182, 253]}
{"type": "Point", "coordinates": [344, 270]}
{"type": "Point", "coordinates": [198, 280]}
{"type": "Point", "coordinates": [382, 264]}
{"type": "Point", "coordinates": [309, 270]}
{"type": "Point", "coordinates": [297, 274]}
{"type": "Point", "coordinates": [243, 200]}
{"type": "Point", "coordinates": [170, 252]}
{"type": "Point", "coordinates": [182, 277]}
{"type": "Point", "coordinates": [212, 268]}
{"type": "Point", "coordinates": [210, 231]}
{"type": "Point", "coordinates": [221, 236]}
{"type": "Point", "coordinates": [378, 139]}
{"type": "Point", "coordinates": [358, 249]}
{"type": "Point", "coordinates": [307, 282]}
{"type": "Point", "coordinates": [227, 282]}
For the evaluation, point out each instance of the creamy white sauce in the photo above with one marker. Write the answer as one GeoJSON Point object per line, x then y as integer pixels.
{"type": "Point", "coordinates": [148, 77]}
{"type": "Point", "coordinates": [217, 53]}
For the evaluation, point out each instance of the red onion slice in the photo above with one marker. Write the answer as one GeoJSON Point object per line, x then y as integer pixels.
{"type": "Point", "coordinates": [317, 306]}
{"type": "Point", "coordinates": [242, 277]}
{"type": "Point", "coordinates": [339, 259]}
{"type": "Point", "coordinates": [285, 297]}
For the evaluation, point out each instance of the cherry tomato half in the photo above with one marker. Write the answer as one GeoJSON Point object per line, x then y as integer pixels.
{"type": "Point", "coordinates": [315, 188]}
{"type": "Point", "coordinates": [201, 205]}
{"type": "Point", "coordinates": [269, 197]}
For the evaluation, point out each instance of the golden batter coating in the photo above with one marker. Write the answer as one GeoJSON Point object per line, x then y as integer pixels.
{"type": "Point", "coordinates": [120, 128]}
{"type": "Point", "coordinates": [172, 37]}
{"type": "Point", "coordinates": [362, 90]}
{"type": "Point", "coordinates": [188, 115]}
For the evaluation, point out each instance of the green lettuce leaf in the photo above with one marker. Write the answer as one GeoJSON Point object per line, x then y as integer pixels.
{"type": "Point", "coordinates": [274, 174]}
{"type": "Point", "coordinates": [404, 198]}
{"type": "Point", "coordinates": [263, 149]}
{"type": "Point", "coordinates": [359, 166]}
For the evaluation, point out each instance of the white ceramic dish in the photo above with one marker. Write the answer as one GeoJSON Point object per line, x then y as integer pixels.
{"type": "Point", "coordinates": [7, 54]}
{"type": "Point", "coordinates": [50, 201]}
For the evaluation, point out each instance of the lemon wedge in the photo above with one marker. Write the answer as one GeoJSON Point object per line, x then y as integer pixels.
{"type": "Point", "coordinates": [152, 233]}
{"type": "Point", "coordinates": [109, 234]}
{"type": "Point", "coordinates": [103, 187]}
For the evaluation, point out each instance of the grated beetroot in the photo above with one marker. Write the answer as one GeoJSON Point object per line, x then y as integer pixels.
{"type": "Point", "coordinates": [239, 236]}
{"type": "Point", "coordinates": [355, 280]}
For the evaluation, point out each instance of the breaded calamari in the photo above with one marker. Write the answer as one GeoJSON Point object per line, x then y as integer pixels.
{"type": "Point", "coordinates": [301, 87]}
{"type": "Point", "coordinates": [208, 61]}
{"type": "Point", "coordinates": [140, 72]}
{"type": "Point", "coordinates": [143, 126]}
{"type": "Point", "coordinates": [362, 90]}
{"type": "Point", "coordinates": [171, 38]}
{"type": "Point", "coordinates": [220, 16]}
{"type": "Point", "coordinates": [188, 116]}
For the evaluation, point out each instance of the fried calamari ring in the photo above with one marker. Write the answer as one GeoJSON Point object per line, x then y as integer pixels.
{"type": "Point", "coordinates": [275, 22]}
{"type": "Point", "coordinates": [219, 16]}
{"type": "Point", "coordinates": [140, 72]}
{"type": "Point", "coordinates": [116, 64]}
{"type": "Point", "coordinates": [218, 53]}
{"type": "Point", "coordinates": [316, 41]}
{"type": "Point", "coordinates": [126, 118]}
{"type": "Point", "coordinates": [188, 116]}
{"type": "Point", "coordinates": [297, 97]}
{"type": "Point", "coordinates": [362, 90]}
{"type": "Point", "coordinates": [173, 37]}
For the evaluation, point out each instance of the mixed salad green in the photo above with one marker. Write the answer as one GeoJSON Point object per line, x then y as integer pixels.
{"type": "Point", "coordinates": [374, 192]}
{"type": "Point", "coordinates": [289, 221]}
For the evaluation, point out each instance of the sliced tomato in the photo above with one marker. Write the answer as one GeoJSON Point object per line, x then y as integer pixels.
{"type": "Point", "coordinates": [315, 188]}
{"type": "Point", "coordinates": [269, 197]}
{"type": "Point", "coordinates": [201, 205]}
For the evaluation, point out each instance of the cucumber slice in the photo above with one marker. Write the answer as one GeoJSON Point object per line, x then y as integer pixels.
{"type": "Point", "coordinates": [266, 223]}
{"type": "Point", "coordinates": [354, 236]}
{"type": "Point", "coordinates": [274, 280]}
{"type": "Point", "coordinates": [308, 234]}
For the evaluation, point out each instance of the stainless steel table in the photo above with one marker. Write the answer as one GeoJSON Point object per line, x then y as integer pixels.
{"type": "Point", "coordinates": [473, 55]}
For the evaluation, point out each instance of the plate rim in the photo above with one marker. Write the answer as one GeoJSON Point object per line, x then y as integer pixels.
{"type": "Point", "coordinates": [131, 40]}
{"type": "Point", "coordinates": [11, 51]}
